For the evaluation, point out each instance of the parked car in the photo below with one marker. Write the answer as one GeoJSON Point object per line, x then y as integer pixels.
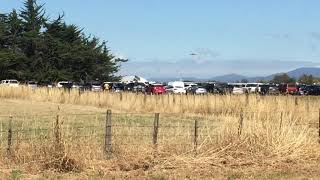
{"type": "Point", "coordinates": [216, 90]}
{"type": "Point", "coordinates": [310, 90]}
{"type": "Point", "coordinates": [252, 87]}
{"type": "Point", "coordinates": [10, 83]}
{"type": "Point", "coordinates": [197, 90]}
{"type": "Point", "coordinates": [176, 87]}
{"type": "Point", "coordinates": [290, 88]}
{"type": "Point", "coordinates": [64, 84]}
{"type": "Point", "coordinates": [47, 84]}
{"type": "Point", "coordinates": [78, 86]}
{"type": "Point", "coordinates": [96, 86]}
{"type": "Point", "coordinates": [188, 85]}
{"type": "Point", "coordinates": [271, 89]}
{"type": "Point", "coordinates": [237, 88]}
{"type": "Point", "coordinates": [156, 89]}
{"type": "Point", "coordinates": [32, 84]}
{"type": "Point", "coordinates": [117, 87]}
{"type": "Point", "coordinates": [135, 87]}
{"type": "Point", "coordinates": [302, 89]}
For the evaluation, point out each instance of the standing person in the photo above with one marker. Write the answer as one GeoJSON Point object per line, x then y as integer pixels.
{"type": "Point", "coordinates": [106, 86]}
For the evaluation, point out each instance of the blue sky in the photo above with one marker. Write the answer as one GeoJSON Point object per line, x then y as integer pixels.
{"type": "Point", "coordinates": [169, 30]}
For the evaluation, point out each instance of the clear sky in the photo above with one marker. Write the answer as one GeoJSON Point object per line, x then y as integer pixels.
{"type": "Point", "coordinates": [169, 30]}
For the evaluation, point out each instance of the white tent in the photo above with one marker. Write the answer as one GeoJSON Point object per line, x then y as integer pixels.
{"type": "Point", "coordinates": [132, 79]}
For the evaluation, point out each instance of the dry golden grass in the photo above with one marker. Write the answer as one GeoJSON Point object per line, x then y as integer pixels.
{"type": "Point", "coordinates": [130, 102]}
{"type": "Point", "coordinates": [278, 135]}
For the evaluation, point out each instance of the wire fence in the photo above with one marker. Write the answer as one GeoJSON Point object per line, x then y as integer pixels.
{"type": "Point", "coordinates": [116, 131]}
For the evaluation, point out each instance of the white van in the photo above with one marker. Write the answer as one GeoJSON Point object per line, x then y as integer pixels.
{"type": "Point", "coordinates": [176, 87]}
{"type": "Point", "coordinates": [10, 83]}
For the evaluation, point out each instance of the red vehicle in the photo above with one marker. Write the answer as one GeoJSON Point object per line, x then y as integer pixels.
{"type": "Point", "coordinates": [292, 89]}
{"type": "Point", "coordinates": [289, 88]}
{"type": "Point", "coordinates": [156, 89]}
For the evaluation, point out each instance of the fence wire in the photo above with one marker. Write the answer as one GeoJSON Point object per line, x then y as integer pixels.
{"type": "Point", "coordinates": [138, 129]}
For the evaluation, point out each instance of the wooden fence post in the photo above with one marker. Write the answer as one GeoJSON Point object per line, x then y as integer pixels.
{"type": "Point", "coordinates": [319, 126]}
{"type": "Point", "coordinates": [247, 98]}
{"type": "Point", "coordinates": [240, 123]}
{"type": "Point", "coordinates": [195, 142]}
{"type": "Point", "coordinates": [281, 119]}
{"type": "Point", "coordinates": [57, 133]}
{"type": "Point", "coordinates": [9, 135]}
{"type": "Point", "coordinates": [57, 130]}
{"type": "Point", "coordinates": [108, 135]}
{"type": "Point", "coordinates": [155, 129]}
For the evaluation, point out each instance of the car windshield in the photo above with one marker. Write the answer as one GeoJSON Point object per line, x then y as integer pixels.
{"type": "Point", "coordinates": [178, 87]}
{"type": "Point", "coordinates": [14, 82]}
{"type": "Point", "coordinates": [118, 85]}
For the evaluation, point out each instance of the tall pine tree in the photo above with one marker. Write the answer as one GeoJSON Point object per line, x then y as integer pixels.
{"type": "Point", "coordinates": [33, 47]}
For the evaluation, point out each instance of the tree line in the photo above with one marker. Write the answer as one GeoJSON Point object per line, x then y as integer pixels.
{"type": "Point", "coordinates": [35, 47]}
{"type": "Point", "coordinates": [285, 78]}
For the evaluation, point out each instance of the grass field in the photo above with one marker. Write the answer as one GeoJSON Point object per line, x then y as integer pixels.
{"type": "Point", "coordinates": [278, 140]}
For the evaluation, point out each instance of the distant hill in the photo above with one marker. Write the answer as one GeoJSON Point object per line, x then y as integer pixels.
{"type": "Point", "coordinates": [305, 70]}
{"type": "Point", "coordinates": [229, 78]}
{"type": "Point", "coordinates": [236, 77]}
{"type": "Point", "coordinates": [314, 71]}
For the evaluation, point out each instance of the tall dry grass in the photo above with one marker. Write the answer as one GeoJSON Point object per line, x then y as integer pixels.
{"type": "Point", "coordinates": [192, 104]}
{"type": "Point", "coordinates": [276, 130]}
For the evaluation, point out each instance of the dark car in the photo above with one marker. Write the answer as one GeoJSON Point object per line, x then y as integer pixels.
{"type": "Point", "coordinates": [274, 90]}
{"type": "Point", "coordinates": [95, 86]}
{"type": "Point", "coordinates": [310, 90]}
{"type": "Point", "coordinates": [118, 87]}
{"type": "Point", "coordinates": [264, 89]}
{"type": "Point", "coordinates": [216, 88]}
{"type": "Point", "coordinates": [135, 87]}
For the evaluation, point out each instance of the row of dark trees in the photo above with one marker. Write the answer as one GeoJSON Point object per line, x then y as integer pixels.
{"type": "Point", "coordinates": [35, 47]}
{"type": "Point", "coordinates": [285, 78]}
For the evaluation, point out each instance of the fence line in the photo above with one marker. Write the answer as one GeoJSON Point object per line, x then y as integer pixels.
{"type": "Point", "coordinates": [108, 131]}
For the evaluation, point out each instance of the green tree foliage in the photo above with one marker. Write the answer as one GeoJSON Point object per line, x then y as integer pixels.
{"type": "Point", "coordinates": [33, 47]}
{"type": "Point", "coordinates": [283, 78]}
{"type": "Point", "coordinates": [306, 79]}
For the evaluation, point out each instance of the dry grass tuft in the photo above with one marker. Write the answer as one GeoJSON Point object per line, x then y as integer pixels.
{"type": "Point", "coordinates": [62, 164]}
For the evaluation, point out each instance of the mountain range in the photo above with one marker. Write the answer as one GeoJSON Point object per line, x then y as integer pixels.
{"type": "Point", "coordinates": [232, 70]}
{"type": "Point", "coordinates": [237, 77]}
